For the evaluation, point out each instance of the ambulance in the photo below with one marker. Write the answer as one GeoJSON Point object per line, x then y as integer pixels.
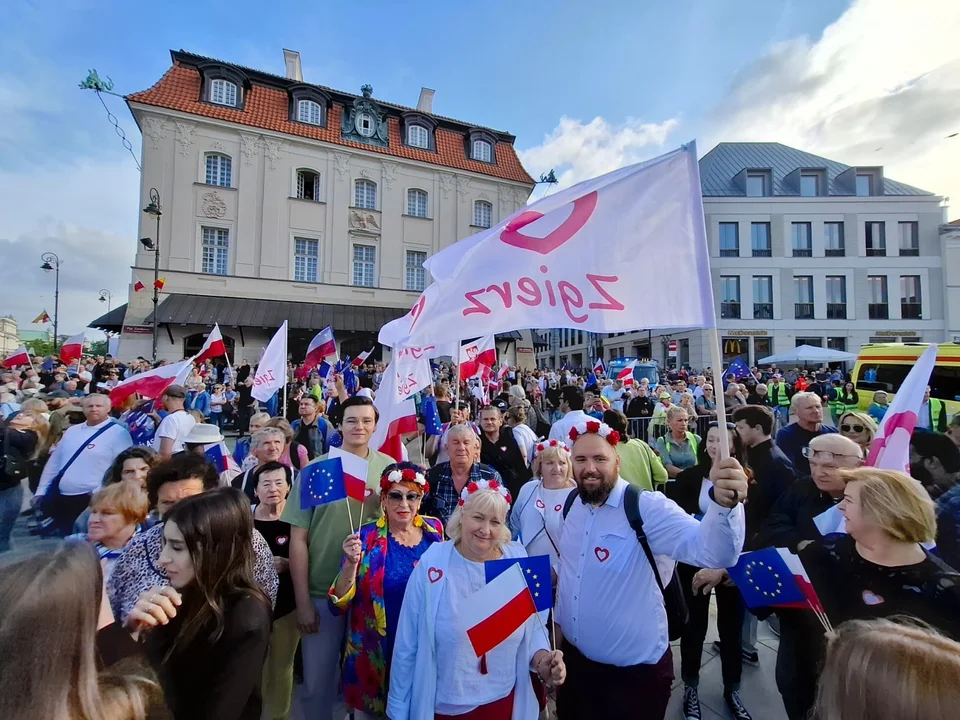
{"type": "Point", "coordinates": [883, 366]}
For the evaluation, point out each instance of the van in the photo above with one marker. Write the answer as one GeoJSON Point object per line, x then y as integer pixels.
{"type": "Point", "coordinates": [884, 366]}
{"type": "Point", "coordinates": [648, 369]}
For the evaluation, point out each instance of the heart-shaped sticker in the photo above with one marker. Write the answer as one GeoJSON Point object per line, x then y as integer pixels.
{"type": "Point", "coordinates": [540, 504]}
{"type": "Point", "coordinates": [434, 574]}
{"type": "Point", "coordinates": [583, 208]}
{"type": "Point", "coordinates": [601, 553]}
{"type": "Point", "coordinates": [557, 508]}
{"type": "Point", "coordinates": [282, 540]}
{"type": "Point", "coordinates": [870, 598]}
{"type": "Point", "coordinates": [368, 492]}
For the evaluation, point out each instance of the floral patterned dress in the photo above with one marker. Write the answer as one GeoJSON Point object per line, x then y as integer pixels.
{"type": "Point", "coordinates": [366, 661]}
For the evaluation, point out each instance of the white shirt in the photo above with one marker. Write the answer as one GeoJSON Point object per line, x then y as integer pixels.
{"type": "Point", "coordinates": [614, 396]}
{"type": "Point", "coordinates": [561, 428]}
{"type": "Point", "coordinates": [608, 602]}
{"type": "Point", "coordinates": [86, 472]}
{"type": "Point", "coordinates": [527, 440]}
{"type": "Point", "coordinates": [537, 519]}
{"type": "Point", "coordinates": [176, 426]}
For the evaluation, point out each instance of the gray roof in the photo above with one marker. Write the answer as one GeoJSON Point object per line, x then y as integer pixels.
{"type": "Point", "coordinates": [111, 321]}
{"type": "Point", "coordinates": [719, 167]}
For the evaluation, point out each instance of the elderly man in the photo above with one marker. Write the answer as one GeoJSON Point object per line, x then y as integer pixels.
{"type": "Point", "coordinates": [447, 479]}
{"type": "Point", "coordinates": [266, 445]}
{"type": "Point", "coordinates": [609, 605]}
{"type": "Point", "coordinates": [613, 394]}
{"type": "Point", "coordinates": [933, 414]}
{"type": "Point", "coordinates": [794, 438]}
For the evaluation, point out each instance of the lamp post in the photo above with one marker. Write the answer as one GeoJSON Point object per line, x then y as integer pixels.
{"type": "Point", "coordinates": [154, 209]}
{"type": "Point", "coordinates": [107, 297]}
{"type": "Point", "coordinates": [51, 263]}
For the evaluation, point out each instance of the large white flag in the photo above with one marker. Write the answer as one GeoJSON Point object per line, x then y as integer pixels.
{"type": "Point", "coordinates": [272, 369]}
{"type": "Point", "coordinates": [398, 417]}
{"type": "Point", "coordinates": [575, 259]}
{"type": "Point", "coordinates": [413, 374]}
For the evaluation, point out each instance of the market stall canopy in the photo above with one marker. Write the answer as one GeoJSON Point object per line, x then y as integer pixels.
{"type": "Point", "coordinates": [808, 354]}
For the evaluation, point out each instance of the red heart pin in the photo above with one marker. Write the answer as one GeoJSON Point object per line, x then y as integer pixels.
{"type": "Point", "coordinates": [434, 574]}
{"type": "Point", "coordinates": [540, 504]}
{"type": "Point", "coordinates": [557, 508]}
{"type": "Point", "coordinates": [583, 208]}
{"type": "Point", "coordinates": [601, 553]}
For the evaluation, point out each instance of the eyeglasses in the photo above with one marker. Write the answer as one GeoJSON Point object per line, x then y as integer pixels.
{"type": "Point", "coordinates": [810, 453]}
{"type": "Point", "coordinates": [854, 428]}
{"type": "Point", "coordinates": [410, 497]}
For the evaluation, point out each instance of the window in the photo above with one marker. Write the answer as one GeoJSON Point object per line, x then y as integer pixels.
{"type": "Point", "coordinates": [730, 296]}
{"type": "Point", "coordinates": [218, 170]}
{"type": "Point", "coordinates": [909, 241]}
{"type": "Point", "coordinates": [417, 136]}
{"type": "Point", "coordinates": [729, 239]}
{"type": "Point", "coordinates": [580, 337]}
{"type": "Point", "coordinates": [306, 259]}
{"type": "Point", "coordinates": [482, 150]}
{"type": "Point", "coordinates": [417, 203]}
{"type": "Point", "coordinates": [837, 343]}
{"type": "Point", "coordinates": [216, 248]}
{"type": "Point", "coordinates": [878, 308]}
{"type": "Point", "coordinates": [763, 297]}
{"type": "Point", "coordinates": [864, 185]}
{"type": "Point", "coordinates": [364, 265]}
{"type": "Point", "coordinates": [910, 308]}
{"type": "Point", "coordinates": [803, 291]}
{"type": "Point", "coordinates": [415, 277]}
{"type": "Point", "coordinates": [223, 92]}
{"type": "Point", "coordinates": [365, 194]}
{"type": "Point", "coordinates": [836, 297]}
{"type": "Point", "coordinates": [308, 185]}
{"type": "Point", "coordinates": [309, 112]}
{"type": "Point", "coordinates": [833, 245]}
{"type": "Point", "coordinates": [482, 214]}
{"type": "Point", "coordinates": [760, 239]}
{"type": "Point", "coordinates": [366, 124]}
{"type": "Point", "coordinates": [802, 243]}
{"type": "Point", "coordinates": [756, 185]}
{"type": "Point", "coordinates": [876, 234]}
{"type": "Point", "coordinates": [814, 341]}
{"type": "Point", "coordinates": [809, 185]}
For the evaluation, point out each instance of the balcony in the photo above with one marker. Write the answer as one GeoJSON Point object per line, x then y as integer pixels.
{"type": "Point", "coordinates": [909, 252]}
{"type": "Point", "coordinates": [763, 311]}
{"type": "Point", "coordinates": [803, 252]}
{"type": "Point", "coordinates": [876, 252]}
{"type": "Point", "coordinates": [836, 311]}
{"type": "Point", "coordinates": [834, 252]}
{"type": "Point", "coordinates": [729, 252]}
{"type": "Point", "coordinates": [878, 311]}
{"type": "Point", "coordinates": [730, 310]}
{"type": "Point", "coordinates": [803, 311]}
{"type": "Point", "coordinates": [761, 252]}
{"type": "Point", "coordinates": [910, 311]}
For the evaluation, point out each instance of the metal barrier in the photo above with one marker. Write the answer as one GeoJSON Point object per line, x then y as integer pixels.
{"type": "Point", "coordinates": [647, 430]}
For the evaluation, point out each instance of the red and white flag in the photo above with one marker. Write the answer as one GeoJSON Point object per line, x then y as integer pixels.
{"type": "Point", "coordinates": [598, 368]}
{"type": "Point", "coordinates": [151, 384]}
{"type": "Point", "coordinates": [213, 347]}
{"type": "Point", "coordinates": [354, 473]}
{"type": "Point", "coordinates": [20, 356]}
{"type": "Point", "coordinates": [397, 417]}
{"type": "Point", "coordinates": [497, 610]}
{"type": "Point", "coordinates": [476, 355]}
{"type": "Point", "coordinates": [362, 357]}
{"type": "Point", "coordinates": [137, 284]}
{"type": "Point", "coordinates": [271, 372]}
{"type": "Point", "coordinates": [322, 346]}
{"type": "Point", "coordinates": [626, 375]}
{"type": "Point", "coordinates": [72, 349]}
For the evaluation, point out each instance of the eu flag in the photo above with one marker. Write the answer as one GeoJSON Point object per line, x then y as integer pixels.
{"type": "Point", "coordinates": [321, 483]}
{"type": "Point", "coordinates": [431, 416]}
{"type": "Point", "coordinates": [536, 571]}
{"type": "Point", "coordinates": [738, 368]}
{"type": "Point", "coordinates": [765, 580]}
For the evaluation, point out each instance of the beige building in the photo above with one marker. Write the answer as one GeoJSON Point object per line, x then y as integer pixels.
{"type": "Point", "coordinates": [9, 335]}
{"type": "Point", "coordinates": [282, 199]}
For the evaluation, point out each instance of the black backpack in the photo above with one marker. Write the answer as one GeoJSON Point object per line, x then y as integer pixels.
{"type": "Point", "coordinates": [673, 600]}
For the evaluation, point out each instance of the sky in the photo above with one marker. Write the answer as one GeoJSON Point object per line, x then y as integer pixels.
{"type": "Point", "coordinates": [585, 88]}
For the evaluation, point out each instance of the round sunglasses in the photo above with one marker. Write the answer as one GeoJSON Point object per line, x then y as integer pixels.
{"type": "Point", "coordinates": [854, 428]}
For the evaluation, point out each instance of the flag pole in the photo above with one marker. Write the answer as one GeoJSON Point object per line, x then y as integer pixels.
{"type": "Point", "coordinates": [717, 364]}
{"type": "Point", "coordinates": [350, 515]}
{"type": "Point", "coordinates": [456, 385]}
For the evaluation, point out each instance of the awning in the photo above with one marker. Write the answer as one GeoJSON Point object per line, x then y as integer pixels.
{"type": "Point", "coordinates": [112, 321]}
{"type": "Point", "coordinates": [250, 312]}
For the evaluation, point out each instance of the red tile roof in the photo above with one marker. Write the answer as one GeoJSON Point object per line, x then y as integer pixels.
{"type": "Point", "coordinates": [268, 108]}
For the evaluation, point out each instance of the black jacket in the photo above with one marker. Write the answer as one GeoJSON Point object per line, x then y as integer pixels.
{"type": "Point", "coordinates": [773, 474]}
{"type": "Point", "coordinates": [790, 521]}
{"type": "Point", "coordinates": [506, 458]}
{"type": "Point", "coordinates": [640, 407]}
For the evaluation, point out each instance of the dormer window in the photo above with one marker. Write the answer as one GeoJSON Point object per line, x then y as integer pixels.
{"type": "Point", "coordinates": [223, 92]}
{"type": "Point", "coordinates": [366, 124]}
{"type": "Point", "coordinates": [418, 131]}
{"type": "Point", "coordinates": [482, 151]}
{"type": "Point", "coordinates": [757, 185]}
{"type": "Point", "coordinates": [223, 85]}
{"type": "Point", "coordinates": [309, 112]}
{"type": "Point", "coordinates": [864, 184]}
{"type": "Point", "coordinates": [418, 136]}
{"type": "Point", "coordinates": [308, 105]}
{"type": "Point", "coordinates": [809, 184]}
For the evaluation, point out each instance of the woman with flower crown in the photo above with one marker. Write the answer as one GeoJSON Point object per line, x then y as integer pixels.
{"type": "Point", "coordinates": [435, 674]}
{"type": "Point", "coordinates": [377, 562]}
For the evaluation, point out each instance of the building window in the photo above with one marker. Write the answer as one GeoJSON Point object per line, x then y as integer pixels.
{"type": "Point", "coordinates": [223, 92]}
{"type": "Point", "coordinates": [309, 112]}
{"type": "Point", "coordinates": [763, 297]}
{"type": "Point", "coordinates": [306, 259]}
{"type": "Point", "coordinates": [364, 265]}
{"type": "Point", "coordinates": [909, 240]}
{"type": "Point", "coordinates": [216, 250]}
{"type": "Point", "coordinates": [417, 203]}
{"type": "Point", "coordinates": [366, 124]}
{"type": "Point", "coordinates": [910, 308]}
{"type": "Point", "coordinates": [365, 194]}
{"type": "Point", "coordinates": [482, 151]}
{"type": "Point", "coordinates": [809, 185]}
{"type": "Point", "coordinates": [760, 239]}
{"type": "Point", "coordinates": [878, 307]}
{"type": "Point", "coordinates": [864, 185]}
{"type": "Point", "coordinates": [218, 170]}
{"type": "Point", "coordinates": [836, 297]}
{"type": "Point", "coordinates": [837, 343]}
{"type": "Point", "coordinates": [482, 214]}
{"type": "Point", "coordinates": [308, 185]}
{"type": "Point", "coordinates": [876, 234]}
{"type": "Point", "coordinates": [813, 341]}
{"type": "Point", "coordinates": [730, 296]}
{"type": "Point", "coordinates": [418, 136]}
{"type": "Point", "coordinates": [802, 242]}
{"type": "Point", "coordinates": [756, 185]}
{"type": "Point", "coordinates": [833, 244]}
{"type": "Point", "coordinates": [729, 239]}
{"type": "Point", "coordinates": [803, 292]}
{"type": "Point", "coordinates": [415, 277]}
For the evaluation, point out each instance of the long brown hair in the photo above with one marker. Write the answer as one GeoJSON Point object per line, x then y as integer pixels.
{"type": "Point", "coordinates": [217, 528]}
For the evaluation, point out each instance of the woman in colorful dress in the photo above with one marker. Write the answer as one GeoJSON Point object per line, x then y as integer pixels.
{"type": "Point", "coordinates": [377, 562]}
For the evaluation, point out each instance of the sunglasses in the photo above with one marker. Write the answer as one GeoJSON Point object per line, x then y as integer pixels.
{"type": "Point", "coordinates": [854, 428]}
{"type": "Point", "coordinates": [410, 497]}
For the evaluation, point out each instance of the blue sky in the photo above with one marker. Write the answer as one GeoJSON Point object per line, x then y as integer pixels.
{"type": "Point", "coordinates": [585, 87]}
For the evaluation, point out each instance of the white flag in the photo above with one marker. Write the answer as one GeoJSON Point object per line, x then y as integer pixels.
{"type": "Point", "coordinates": [575, 259]}
{"type": "Point", "coordinates": [271, 371]}
{"type": "Point", "coordinates": [412, 376]}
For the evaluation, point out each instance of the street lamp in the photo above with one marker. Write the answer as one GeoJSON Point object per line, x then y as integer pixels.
{"type": "Point", "coordinates": [154, 209]}
{"type": "Point", "coordinates": [107, 297]}
{"type": "Point", "coordinates": [51, 263]}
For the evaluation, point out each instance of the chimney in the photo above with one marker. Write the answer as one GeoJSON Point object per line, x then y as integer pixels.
{"type": "Point", "coordinates": [945, 210]}
{"type": "Point", "coordinates": [292, 60]}
{"type": "Point", "coordinates": [425, 103]}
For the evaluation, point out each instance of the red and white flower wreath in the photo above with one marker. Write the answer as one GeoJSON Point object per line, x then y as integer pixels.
{"type": "Point", "coordinates": [551, 444]}
{"type": "Point", "coordinates": [408, 475]}
{"type": "Point", "coordinates": [472, 487]}
{"type": "Point", "coordinates": [595, 427]}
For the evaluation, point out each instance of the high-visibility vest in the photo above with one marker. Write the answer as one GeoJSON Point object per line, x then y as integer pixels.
{"type": "Point", "coordinates": [849, 403]}
{"type": "Point", "coordinates": [782, 399]}
{"type": "Point", "coordinates": [937, 408]}
{"type": "Point", "coordinates": [836, 403]}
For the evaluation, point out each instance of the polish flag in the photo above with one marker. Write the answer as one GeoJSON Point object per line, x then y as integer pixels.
{"type": "Point", "coordinates": [213, 347]}
{"type": "Point", "coordinates": [153, 383]}
{"type": "Point", "coordinates": [322, 346]}
{"type": "Point", "coordinates": [137, 284]}
{"type": "Point", "coordinates": [72, 349]}
{"type": "Point", "coordinates": [476, 355]}
{"type": "Point", "coordinates": [354, 473]}
{"type": "Point", "coordinates": [362, 357]}
{"type": "Point", "coordinates": [599, 369]}
{"type": "Point", "coordinates": [497, 610]}
{"type": "Point", "coordinates": [20, 356]}
{"type": "Point", "coordinates": [626, 375]}
{"type": "Point", "coordinates": [397, 417]}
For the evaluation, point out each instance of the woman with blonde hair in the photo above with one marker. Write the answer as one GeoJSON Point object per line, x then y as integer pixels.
{"type": "Point", "coordinates": [859, 427]}
{"type": "Point", "coordinates": [884, 670]}
{"type": "Point", "coordinates": [117, 513]}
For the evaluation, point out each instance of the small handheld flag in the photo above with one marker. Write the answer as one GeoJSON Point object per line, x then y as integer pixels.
{"type": "Point", "coordinates": [738, 368]}
{"type": "Point", "coordinates": [218, 455]}
{"type": "Point", "coordinates": [598, 368]}
{"type": "Point", "coordinates": [322, 483]}
{"type": "Point", "coordinates": [354, 474]}
{"type": "Point", "coordinates": [20, 356]}
{"type": "Point", "coordinates": [536, 571]}
{"type": "Point", "coordinates": [497, 610]}
{"type": "Point", "coordinates": [360, 359]}
{"type": "Point", "coordinates": [431, 416]}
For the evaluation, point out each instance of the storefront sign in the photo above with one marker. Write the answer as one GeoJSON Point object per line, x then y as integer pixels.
{"type": "Point", "coordinates": [138, 329]}
{"type": "Point", "coordinates": [742, 333]}
{"type": "Point", "coordinates": [895, 333]}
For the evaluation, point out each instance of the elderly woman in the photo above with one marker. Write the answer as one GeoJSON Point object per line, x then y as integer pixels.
{"type": "Point", "coordinates": [377, 562]}
{"type": "Point", "coordinates": [537, 517]}
{"type": "Point", "coordinates": [117, 513]}
{"type": "Point", "coordinates": [447, 479]}
{"type": "Point", "coordinates": [859, 427]}
{"type": "Point", "coordinates": [294, 454]}
{"type": "Point", "coordinates": [678, 448]}
{"type": "Point", "coordinates": [878, 408]}
{"type": "Point", "coordinates": [435, 672]}
{"type": "Point", "coordinates": [242, 451]}
{"type": "Point", "coordinates": [689, 404]}
{"type": "Point", "coordinates": [707, 403]}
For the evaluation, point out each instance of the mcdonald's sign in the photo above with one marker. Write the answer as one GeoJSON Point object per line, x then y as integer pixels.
{"type": "Point", "coordinates": [731, 347]}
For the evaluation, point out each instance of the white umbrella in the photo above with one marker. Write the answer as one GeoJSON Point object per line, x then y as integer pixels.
{"type": "Point", "coordinates": [808, 354]}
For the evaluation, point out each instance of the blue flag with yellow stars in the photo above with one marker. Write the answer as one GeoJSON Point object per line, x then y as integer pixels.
{"type": "Point", "coordinates": [431, 416]}
{"type": "Point", "coordinates": [536, 571]}
{"type": "Point", "coordinates": [322, 482]}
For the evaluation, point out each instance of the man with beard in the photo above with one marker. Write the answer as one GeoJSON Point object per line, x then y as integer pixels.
{"type": "Point", "coordinates": [935, 462]}
{"type": "Point", "coordinates": [609, 606]}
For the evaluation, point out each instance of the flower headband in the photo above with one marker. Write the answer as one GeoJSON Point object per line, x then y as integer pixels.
{"type": "Point", "coordinates": [550, 444]}
{"type": "Point", "coordinates": [471, 487]}
{"type": "Point", "coordinates": [405, 475]}
{"type": "Point", "coordinates": [595, 427]}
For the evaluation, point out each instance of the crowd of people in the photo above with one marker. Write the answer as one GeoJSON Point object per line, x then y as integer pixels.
{"type": "Point", "coordinates": [190, 582]}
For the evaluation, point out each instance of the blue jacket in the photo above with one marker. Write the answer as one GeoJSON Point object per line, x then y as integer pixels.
{"type": "Point", "coordinates": [199, 401]}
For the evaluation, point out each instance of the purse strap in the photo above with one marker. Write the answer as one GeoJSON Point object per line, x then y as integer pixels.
{"type": "Point", "coordinates": [55, 483]}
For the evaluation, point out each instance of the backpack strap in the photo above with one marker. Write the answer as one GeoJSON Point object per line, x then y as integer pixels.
{"type": "Point", "coordinates": [568, 503]}
{"type": "Point", "coordinates": [631, 506]}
